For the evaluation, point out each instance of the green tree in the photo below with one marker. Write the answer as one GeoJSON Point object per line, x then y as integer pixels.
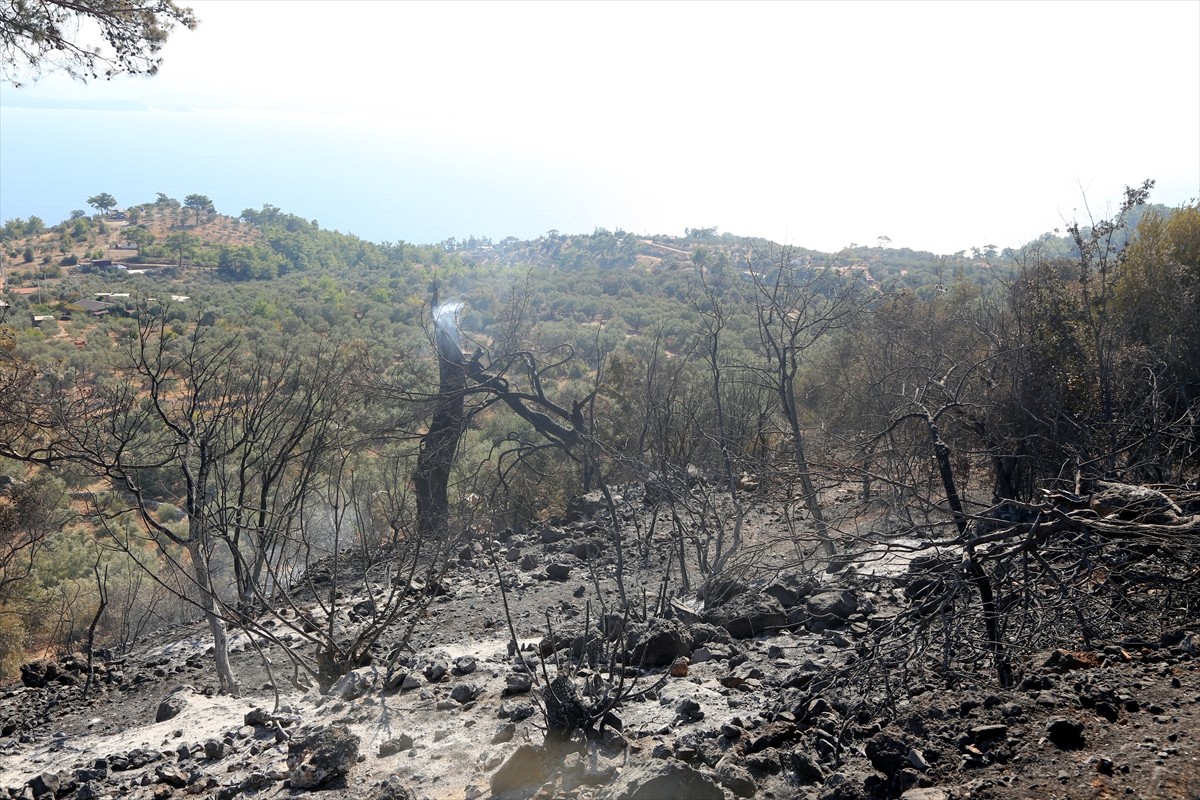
{"type": "Point", "coordinates": [139, 236]}
{"type": "Point", "coordinates": [102, 202]}
{"type": "Point", "coordinates": [86, 39]}
{"type": "Point", "coordinates": [81, 229]}
{"type": "Point", "coordinates": [1157, 296]}
{"type": "Point", "coordinates": [199, 203]}
{"type": "Point", "coordinates": [183, 245]}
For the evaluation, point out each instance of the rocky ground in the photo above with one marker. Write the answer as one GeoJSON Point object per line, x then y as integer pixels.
{"type": "Point", "coordinates": [747, 695]}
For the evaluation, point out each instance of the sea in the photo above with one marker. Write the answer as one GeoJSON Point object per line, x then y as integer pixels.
{"type": "Point", "coordinates": [382, 182]}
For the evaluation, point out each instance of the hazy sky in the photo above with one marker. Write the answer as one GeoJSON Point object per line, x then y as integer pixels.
{"type": "Point", "coordinates": [941, 125]}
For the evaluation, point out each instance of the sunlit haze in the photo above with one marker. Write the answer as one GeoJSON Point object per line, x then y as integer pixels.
{"type": "Point", "coordinates": [940, 125]}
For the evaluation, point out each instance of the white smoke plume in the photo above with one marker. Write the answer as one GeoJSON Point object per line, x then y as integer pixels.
{"type": "Point", "coordinates": [445, 331]}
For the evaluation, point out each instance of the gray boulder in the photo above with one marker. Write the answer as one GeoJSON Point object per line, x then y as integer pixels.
{"type": "Point", "coordinates": [586, 506]}
{"type": "Point", "coordinates": [173, 705]}
{"type": "Point", "coordinates": [830, 609]}
{"type": "Point", "coordinates": [658, 643]}
{"type": "Point", "coordinates": [748, 615]}
{"type": "Point", "coordinates": [790, 589]}
{"type": "Point", "coordinates": [524, 771]}
{"type": "Point", "coordinates": [321, 757]}
{"type": "Point", "coordinates": [654, 779]}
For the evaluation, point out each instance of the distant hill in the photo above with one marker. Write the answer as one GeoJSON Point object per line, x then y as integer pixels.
{"type": "Point", "coordinates": [268, 243]}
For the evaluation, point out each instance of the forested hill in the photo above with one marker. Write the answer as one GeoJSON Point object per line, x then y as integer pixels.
{"type": "Point", "coordinates": [268, 243]}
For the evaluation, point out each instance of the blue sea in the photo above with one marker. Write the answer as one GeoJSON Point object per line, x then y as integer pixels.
{"type": "Point", "coordinates": [379, 182]}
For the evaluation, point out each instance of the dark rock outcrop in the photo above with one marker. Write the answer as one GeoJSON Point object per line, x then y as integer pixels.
{"type": "Point", "coordinates": [658, 643]}
{"type": "Point", "coordinates": [748, 615]}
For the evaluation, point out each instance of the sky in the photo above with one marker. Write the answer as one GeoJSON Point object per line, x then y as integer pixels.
{"type": "Point", "coordinates": [940, 125]}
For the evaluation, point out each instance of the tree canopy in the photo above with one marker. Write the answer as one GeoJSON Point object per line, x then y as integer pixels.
{"type": "Point", "coordinates": [86, 39]}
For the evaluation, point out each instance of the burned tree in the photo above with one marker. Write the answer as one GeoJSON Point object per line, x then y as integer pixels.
{"type": "Point", "coordinates": [516, 382]}
{"type": "Point", "coordinates": [440, 442]}
{"type": "Point", "coordinates": [799, 303]}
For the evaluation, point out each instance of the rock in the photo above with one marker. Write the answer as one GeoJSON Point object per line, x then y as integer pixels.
{"type": "Point", "coordinates": [47, 783]}
{"type": "Point", "coordinates": [830, 609]}
{"type": "Point", "coordinates": [37, 674]}
{"type": "Point", "coordinates": [704, 633]}
{"type": "Point", "coordinates": [917, 759]}
{"type": "Point", "coordinates": [529, 562]}
{"type": "Point", "coordinates": [1067, 660]}
{"type": "Point", "coordinates": [172, 775]}
{"type": "Point", "coordinates": [587, 550]}
{"type": "Point", "coordinates": [464, 665]}
{"type": "Point", "coordinates": [255, 782]}
{"type": "Point", "coordinates": [1134, 503]}
{"type": "Point", "coordinates": [552, 535]}
{"type": "Point", "coordinates": [214, 749]}
{"type": "Point", "coordinates": [517, 683]}
{"type": "Point", "coordinates": [1065, 734]}
{"type": "Point", "coordinates": [657, 779]}
{"type": "Point", "coordinates": [411, 681]}
{"type": "Point", "coordinates": [735, 778]}
{"type": "Point", "coordinates": [983, 732]}
{"type": "Point", "coordinates": [658, 642]}
{"type": "Point", "coordinates": [558, 571]}
{"type": "Point", "coordinates": [928, 575]}
{"type": "Point", "coordinates": [525, 770]}
{"type": "Point", "coordinates": [89, 791]}
{"type": "Point", "coordinates": [435, 670]}
{"type": "Point", "coordinates": [173, 705]}
{"type": "Point", "coordinates": [689, 710]}
{"type": "Point", "coordinates": [515, 710]}
{"type": "Point", "coordinates": [766, 763]}
{"type": "Point", "coordinates": [356, 683]}
{"type": "Point", "coordinates": [558, 639]}
{"type": "Point", "coordinates": [807, 768]}
{"type": "Point", "coordinates": [748, 615]}
{"type": "Point", "coordinates": [930, 793]}
{"type": "Point", "coordinates": [391, 788]}
{"type": "Point", "coordinates": [257, 717]}
{"type": "Point", "coordinates": [586, 506]}
{"type": "Point", "coordinates": [465, 692]}
{"type": "Point", "coordinates": [887, 753]}
{"type": "Point", "coordinates": [719, 589]}
{"type": "Point", "coordinates": [790, 589]}
{"type": "Point", "coordinates": [97, 772]}
{"type": "Point", "coordinates": [397, 745]}
{"type": "Point", "coordinates": [321, 757]}
{"type": "Point", "coordinates": [504, 733]}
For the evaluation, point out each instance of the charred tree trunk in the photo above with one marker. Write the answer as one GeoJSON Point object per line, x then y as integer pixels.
{"type": "Point", "coordinates": [439, 445]}
{"type": "Point", "coordinates": [975, 572]}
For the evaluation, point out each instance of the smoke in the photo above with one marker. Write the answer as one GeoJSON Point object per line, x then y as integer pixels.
{"type": "Point", "coordinates": [445, 331]}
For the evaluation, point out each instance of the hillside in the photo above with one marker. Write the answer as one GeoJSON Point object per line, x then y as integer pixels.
{"type": "Point", "coordinates": [582, 515]}
{"type": "Point", "coordinates": [765, 690]}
